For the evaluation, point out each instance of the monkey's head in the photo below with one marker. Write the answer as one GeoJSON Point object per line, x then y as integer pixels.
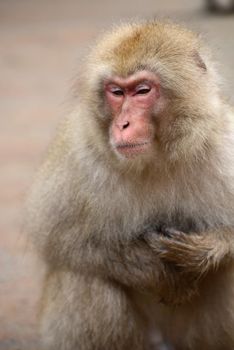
{"type": "Point", "coordinates": [151, 92]}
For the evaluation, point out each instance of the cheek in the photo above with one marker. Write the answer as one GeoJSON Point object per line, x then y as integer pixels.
{"type": "Point", "coordinates": [142, 128]}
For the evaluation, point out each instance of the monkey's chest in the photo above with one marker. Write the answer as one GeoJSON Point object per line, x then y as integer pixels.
{"type": "Point", "coordinates": [178, 221]}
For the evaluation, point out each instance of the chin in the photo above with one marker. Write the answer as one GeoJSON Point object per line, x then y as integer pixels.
{"type": "Point", "coordinates": [136, 160]}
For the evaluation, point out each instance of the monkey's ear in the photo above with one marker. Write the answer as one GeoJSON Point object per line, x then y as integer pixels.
{"type": "Point", "coordinates": [199, 61]}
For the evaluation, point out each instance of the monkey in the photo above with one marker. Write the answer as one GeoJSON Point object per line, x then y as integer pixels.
{"type": "Point", "coordinates": [132, 210]}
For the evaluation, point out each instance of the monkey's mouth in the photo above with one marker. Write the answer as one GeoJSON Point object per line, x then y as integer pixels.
{"type": "Point", "coordinates": [132, 149]}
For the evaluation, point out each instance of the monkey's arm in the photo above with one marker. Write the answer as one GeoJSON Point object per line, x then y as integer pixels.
{"type": "Point", "coordinates": [132, 263]}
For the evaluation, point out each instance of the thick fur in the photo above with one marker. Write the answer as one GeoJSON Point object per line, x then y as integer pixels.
{"type": "Point", "coordinates": [131, 245]}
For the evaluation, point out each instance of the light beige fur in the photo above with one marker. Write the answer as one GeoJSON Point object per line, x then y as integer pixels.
{"type": "Point", "coordinates": [133, 245]}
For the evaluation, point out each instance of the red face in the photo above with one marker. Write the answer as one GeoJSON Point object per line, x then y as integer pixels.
{"type": "Point", "coordinates": [132, 101]}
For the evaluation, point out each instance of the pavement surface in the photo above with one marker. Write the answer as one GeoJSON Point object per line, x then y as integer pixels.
{"type": "Point", "coordinates": [40, 46]}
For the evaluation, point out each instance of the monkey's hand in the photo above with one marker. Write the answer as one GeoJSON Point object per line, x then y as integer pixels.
{"type": "Point", "coordinates": [191, 254]}
{"type": "Point", "coordinates": [186, 259]}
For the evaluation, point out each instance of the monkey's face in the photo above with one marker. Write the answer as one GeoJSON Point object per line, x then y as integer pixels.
{"type": "Point", "coordinates": [132, 102]}
{"type": "Point", "coordinates": [151, 94]}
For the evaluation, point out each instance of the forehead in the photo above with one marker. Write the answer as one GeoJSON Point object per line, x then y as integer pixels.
{"type": "Point", "coordinates": [132, 79]}
{"type": "Point", "coordinates": [130, 49]}
{"type": "Point", "coordinates": [129, 54]}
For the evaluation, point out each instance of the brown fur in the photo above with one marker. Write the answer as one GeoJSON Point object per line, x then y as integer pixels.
{"type": "Point", "coordinates": [144, 243]}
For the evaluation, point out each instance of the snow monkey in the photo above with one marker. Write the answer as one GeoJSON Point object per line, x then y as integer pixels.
{"type": "Point", "coordinates": [132, 210]}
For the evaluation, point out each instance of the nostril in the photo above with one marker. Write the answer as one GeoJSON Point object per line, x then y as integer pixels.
{"type": "Point", "coordinates": [122, 125]}
{"type": "Point", "coordinates": [125, 125]}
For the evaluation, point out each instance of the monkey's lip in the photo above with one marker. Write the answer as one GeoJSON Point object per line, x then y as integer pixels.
{"type": "Point", "coordinates": [132, 149]}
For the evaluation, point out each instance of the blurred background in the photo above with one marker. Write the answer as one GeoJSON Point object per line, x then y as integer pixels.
{"type": "Point", "coordinates": [41, 43]}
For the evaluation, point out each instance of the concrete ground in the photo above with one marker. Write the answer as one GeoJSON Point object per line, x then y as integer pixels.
{"type": "Point", "coordinates": [40, 46]}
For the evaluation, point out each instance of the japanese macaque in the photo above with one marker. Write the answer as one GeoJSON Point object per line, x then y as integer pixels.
{"type": "Point", "coordinates": [133, 208]}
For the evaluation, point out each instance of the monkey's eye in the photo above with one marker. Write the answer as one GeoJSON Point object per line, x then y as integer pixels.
{"type": "Point", "coordinates": [117, 91]}
{"type": "Point", "coordinates": [143, 89]}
